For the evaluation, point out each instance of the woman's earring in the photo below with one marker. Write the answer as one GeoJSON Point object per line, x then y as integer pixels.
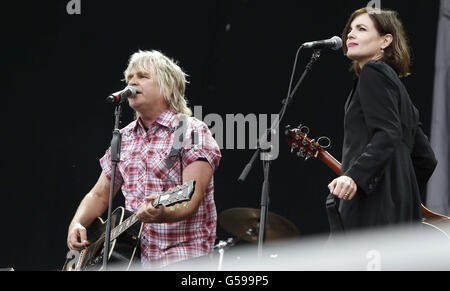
{"type": "Point", "coordinates": [382, 51]}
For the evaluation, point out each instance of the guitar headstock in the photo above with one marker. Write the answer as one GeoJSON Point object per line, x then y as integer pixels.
{"type": "Point", "coordinates": [175, 195]}
{"type": "Point", "coordinates": [304, 147]}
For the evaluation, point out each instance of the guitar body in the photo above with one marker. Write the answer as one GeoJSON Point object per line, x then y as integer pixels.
{"type": "Point", "coordinates": [436, 220]}
{"type": "Point", "coordinates": [124, 250]}
{"type": "Point", "coordinates": [125, 234]}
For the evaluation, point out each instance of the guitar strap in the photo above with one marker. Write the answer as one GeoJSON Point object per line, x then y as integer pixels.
{"type": "Point", "coordinates": [334, 217]}
{"type": "Point", "coordinates": [177, 144]}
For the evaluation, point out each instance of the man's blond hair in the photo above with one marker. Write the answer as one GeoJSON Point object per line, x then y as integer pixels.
{"type": "Point", "coordinates": [171, 78]}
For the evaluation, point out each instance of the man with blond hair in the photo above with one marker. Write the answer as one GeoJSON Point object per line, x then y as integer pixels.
{"type": "Point", "coordinates": [167, 236]}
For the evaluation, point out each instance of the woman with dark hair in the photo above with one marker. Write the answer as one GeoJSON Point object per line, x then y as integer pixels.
{"type": "Point", "coordinates": [386, 157]}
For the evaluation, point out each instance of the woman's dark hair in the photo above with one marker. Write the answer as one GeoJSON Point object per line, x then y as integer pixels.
{"type": "Point", "coordinates": [397, 54]}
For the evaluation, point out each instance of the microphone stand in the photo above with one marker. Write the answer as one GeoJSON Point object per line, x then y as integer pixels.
{"type": "Point", "coordinates": [266, 161]}
{"type": "Point", "coordinates": [115, 159]}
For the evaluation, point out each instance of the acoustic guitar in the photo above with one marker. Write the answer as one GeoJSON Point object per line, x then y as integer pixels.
{"type": "Point", "coordinates": [308, 148]}
{"type": "Point", "coordinates": [125, 234]}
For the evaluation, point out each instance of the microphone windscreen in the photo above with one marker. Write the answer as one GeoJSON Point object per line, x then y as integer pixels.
{"type": "Point", "coordinates": [338, 42]}
{"type": "Point", "coordinates": [130, 92]}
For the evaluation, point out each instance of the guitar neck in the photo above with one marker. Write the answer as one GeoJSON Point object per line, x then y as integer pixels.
{"type": "Point", "coordinates": [129, 222]}
{"type": "Point", "coordinates": [172, 196]}
{"type": "Point", "coordinates": [121, 228]}
{"type": "Point", "coordinates": [330, 161]}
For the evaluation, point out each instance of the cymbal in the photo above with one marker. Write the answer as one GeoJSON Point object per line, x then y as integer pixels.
{"type": "Point", "coordinates": [244, 223]}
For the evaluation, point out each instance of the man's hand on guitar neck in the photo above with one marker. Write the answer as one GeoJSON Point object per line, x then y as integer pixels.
{"type": "Point", "coordinates": [147, 213]}
{"type": "Point", "coordinates": [202, 173]}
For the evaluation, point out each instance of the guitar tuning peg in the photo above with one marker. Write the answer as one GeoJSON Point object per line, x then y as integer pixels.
{"type": "Point", "coordinates": [287, 130]}
{"type": "Point", "coordinates": [301, 153]}
{"type": "Point", "coordinates": [308, 156]}
{"type": "Point", "coordinates": [294, 147]}
{"type": "Point", "coordinates": [311, 145]}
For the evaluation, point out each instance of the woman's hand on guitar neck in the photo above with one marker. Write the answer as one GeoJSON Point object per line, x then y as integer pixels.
{"type": "Point", "coordinates": [343, 187]}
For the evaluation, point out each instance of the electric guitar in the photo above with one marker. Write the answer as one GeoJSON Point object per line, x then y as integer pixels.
{"type": "Point", "coordinates": [308, 148]}
{"type": "Point", "coordinates": [125, 234]}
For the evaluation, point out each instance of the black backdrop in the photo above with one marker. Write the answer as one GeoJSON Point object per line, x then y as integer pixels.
{"type": "Point", "coordinates": [238, 54]}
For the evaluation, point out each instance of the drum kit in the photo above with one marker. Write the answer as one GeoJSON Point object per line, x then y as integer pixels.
{"type": "Point", "coordinates": [243, 224]}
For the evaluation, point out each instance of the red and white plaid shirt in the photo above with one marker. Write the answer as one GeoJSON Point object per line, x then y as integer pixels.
{"type": "Point", "coordinates": [142, 171]}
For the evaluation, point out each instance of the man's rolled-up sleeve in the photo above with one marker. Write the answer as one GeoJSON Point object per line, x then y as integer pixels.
{"type": "Point", "coordinates": [206, 147]}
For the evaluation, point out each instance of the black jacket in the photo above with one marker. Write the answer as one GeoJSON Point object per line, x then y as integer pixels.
{"type": "Point", "coordinates": [385, 151]}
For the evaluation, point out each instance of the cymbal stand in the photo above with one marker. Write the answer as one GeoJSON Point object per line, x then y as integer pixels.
{"type": "Point", "coordinates": [222, 245]}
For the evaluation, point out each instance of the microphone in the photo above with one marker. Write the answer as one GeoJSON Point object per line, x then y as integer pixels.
{"type": "Point", "coordinates": [120, 96]}
{"type": "Point", "coordinates": [334, 43]}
